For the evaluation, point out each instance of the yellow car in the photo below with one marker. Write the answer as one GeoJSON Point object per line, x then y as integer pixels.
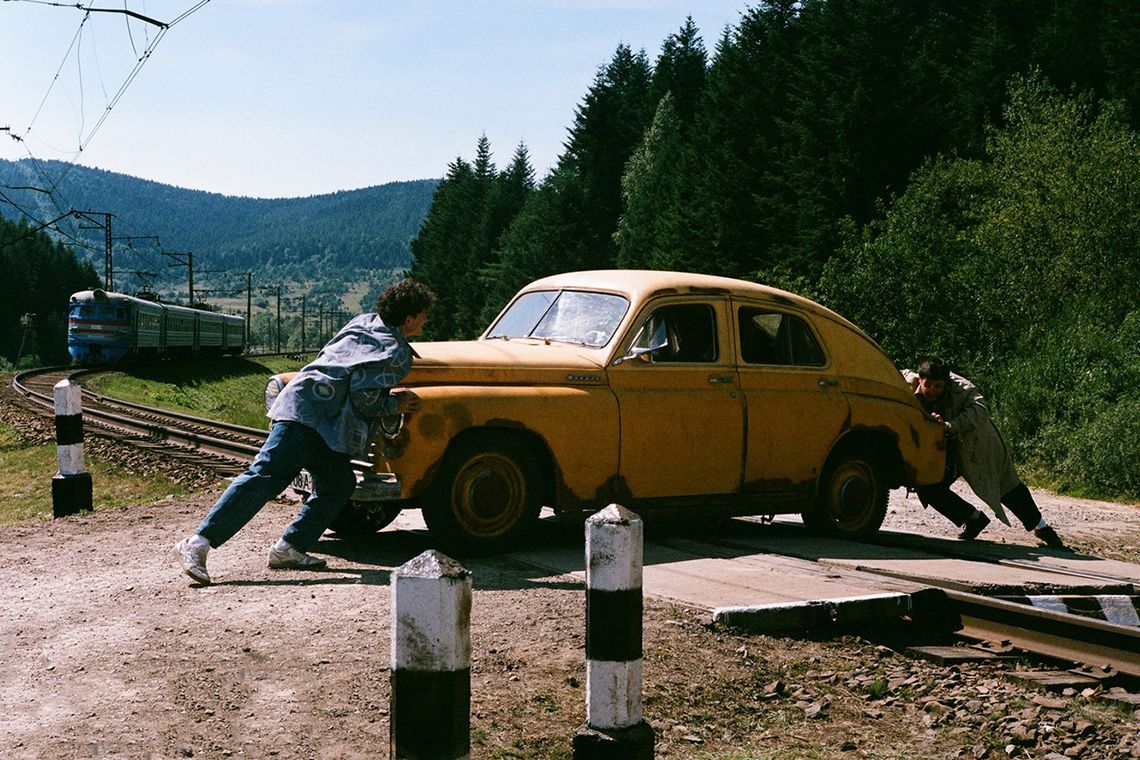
{"type": "Point", "coordinates": [655, 390]}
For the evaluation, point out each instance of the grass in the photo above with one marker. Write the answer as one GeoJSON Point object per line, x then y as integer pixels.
{"type": "Point", "coordinates": [230, 390]}
{"type": "Point", "coordinates": [26, 473]}
{"type": "Point", "coordinates": [224, 389]}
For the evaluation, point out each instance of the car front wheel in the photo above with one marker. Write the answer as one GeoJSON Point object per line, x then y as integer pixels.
{"type": "Point", "coordinates": [852, 499]}
{"type": "Point", "coordinates": [486, 495]}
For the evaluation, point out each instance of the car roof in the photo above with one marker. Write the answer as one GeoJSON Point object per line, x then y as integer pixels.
{"type": "Point", "coordinates": [645, 283]}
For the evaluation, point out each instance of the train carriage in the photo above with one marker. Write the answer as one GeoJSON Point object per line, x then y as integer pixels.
{"type": "Point", "coordinates": [210, 332]}
{"type": "Point", "coordinates": [99, 326]}
{"type": "Point", "coordinates": [105, 327]}
{"type": "Point", "coordinates": [180, 334]}
{"type": "Point", "coordinates": [233, 340]}
{"type": "Point", "coordinates": [147, 327]}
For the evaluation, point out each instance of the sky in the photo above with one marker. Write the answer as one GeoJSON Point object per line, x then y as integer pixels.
{"type": "Point", "coordinates": [288, 98]}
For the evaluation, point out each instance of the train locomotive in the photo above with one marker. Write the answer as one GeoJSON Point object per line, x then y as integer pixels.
{"type": "Point", "coordinates": [105, 327]}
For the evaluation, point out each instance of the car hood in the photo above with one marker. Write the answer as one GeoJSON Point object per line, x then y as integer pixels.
{"type": "Point", "coordinates": [506, 362]}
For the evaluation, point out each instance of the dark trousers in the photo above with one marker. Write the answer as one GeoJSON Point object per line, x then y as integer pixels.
{"type": "Point", "coordinates": [957, 510]}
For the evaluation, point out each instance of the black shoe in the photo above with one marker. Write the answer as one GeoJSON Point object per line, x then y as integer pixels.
{"type": "Point", "coordinates": [1050, 538]}
{"type": "Point", "coordinates": [975, 525]}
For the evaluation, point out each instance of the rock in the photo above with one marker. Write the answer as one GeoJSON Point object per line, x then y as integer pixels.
{"type": "Point", "coordinates": [1023, 733]}
{"type": "Point", "coordinates": [815, 711]}
{"type": "Point", "coordinates": [1049, 702]}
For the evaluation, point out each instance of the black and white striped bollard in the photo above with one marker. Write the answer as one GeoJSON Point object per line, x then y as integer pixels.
{"type": "Point", "coordinates": [431, 659]}
{"type": "Point", "coordinates": [614, 725]}
{"type": "Point", "coordinates": [71, 485]}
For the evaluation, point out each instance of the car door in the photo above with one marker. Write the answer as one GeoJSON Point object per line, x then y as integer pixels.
{"type": "Point", "coordinates": [681, 411]}
{"type": "Point", "coordinates": [796, 408]}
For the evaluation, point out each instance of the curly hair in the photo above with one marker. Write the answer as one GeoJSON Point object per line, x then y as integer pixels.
{"type": "Point", "coordinates": [404, 299]}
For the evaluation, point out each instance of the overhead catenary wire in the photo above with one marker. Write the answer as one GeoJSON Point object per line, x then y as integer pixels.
{"type": "Point", "coordinates": [52, 183]}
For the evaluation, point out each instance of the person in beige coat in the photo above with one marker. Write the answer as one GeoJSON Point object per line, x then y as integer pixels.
{"type": "Point", "coordinates": [977, 453]}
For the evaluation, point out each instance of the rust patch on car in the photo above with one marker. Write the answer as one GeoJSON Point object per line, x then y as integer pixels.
{"type": "Point", "coordinates": [454, 416]}
{"type": "Point", "coordinates": [430, 425]}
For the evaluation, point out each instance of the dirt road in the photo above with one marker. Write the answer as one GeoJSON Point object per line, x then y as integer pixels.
{"type": "Point", "coordinates": [109, 651]}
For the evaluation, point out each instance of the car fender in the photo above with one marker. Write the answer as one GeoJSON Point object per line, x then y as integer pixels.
{"type": "Point", "coordinates": [576, 425]}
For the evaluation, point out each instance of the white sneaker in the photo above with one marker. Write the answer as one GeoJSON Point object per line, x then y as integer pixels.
{"type": "Point", "coordinates": [284, 556]}
{"type": "Point", "coordinates": [192, 555]}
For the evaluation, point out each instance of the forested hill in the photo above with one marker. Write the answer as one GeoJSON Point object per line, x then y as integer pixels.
{"type": "Point", "coordinates": [292, 238]}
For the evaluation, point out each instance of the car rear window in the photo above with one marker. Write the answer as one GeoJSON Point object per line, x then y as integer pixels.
{"type": "Point", "coordinates": [775, 337]}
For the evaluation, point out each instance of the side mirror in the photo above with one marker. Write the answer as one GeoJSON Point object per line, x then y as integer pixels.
{"type": "Point", "coordinates": [658, 341]}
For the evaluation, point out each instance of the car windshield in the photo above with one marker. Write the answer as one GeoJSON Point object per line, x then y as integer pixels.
{"type": "Point", "coordinates": [564, 316]}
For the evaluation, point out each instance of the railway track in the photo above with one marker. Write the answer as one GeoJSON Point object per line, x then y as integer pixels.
{"type": "Point", "coordinates": [1108, 649]}
{"type": "Point", "coordinates": [1007, 621]}
{"type": "Point", "coordinates": [220, 446]}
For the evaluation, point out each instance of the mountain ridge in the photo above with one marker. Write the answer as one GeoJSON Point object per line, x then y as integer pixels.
{"type": "Point", "coordinates": [339, 235]}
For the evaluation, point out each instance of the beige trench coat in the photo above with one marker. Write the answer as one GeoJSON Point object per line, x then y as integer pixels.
{"type": "Point", "coordinates": [980, 453]}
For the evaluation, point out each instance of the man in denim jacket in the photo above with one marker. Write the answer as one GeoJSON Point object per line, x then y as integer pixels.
{"type": "Point", "coordinates": [321, 421]}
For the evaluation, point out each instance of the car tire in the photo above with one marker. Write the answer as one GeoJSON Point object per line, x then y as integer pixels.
{"type": "Point", "coordinates": [485, 496]}
{"type": "Point", "coordinates": [364, 518]}
{"type": "Point", "coordinates": [852, 497]}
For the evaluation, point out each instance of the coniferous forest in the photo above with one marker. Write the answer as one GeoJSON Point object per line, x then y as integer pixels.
{"type": "Point", "coordinates": [39, 276]}
{"type": "Point", "coordinates": [959, 177]}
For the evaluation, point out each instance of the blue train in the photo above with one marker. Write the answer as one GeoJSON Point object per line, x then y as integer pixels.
{"type": "Point", "coordinates": [104, 327]}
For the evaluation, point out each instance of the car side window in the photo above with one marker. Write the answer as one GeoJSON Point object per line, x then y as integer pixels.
{"type": "Point", "coordinates": [690, 329]}
{"type": "Point", "coordinates": [774, 337]}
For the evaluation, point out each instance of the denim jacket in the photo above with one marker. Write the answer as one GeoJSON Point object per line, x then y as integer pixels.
{"type": "Point", "coordinates": [347, 386]}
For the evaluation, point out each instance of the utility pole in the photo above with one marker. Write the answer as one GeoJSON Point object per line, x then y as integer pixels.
{"type": "Point", "coordinates": [302, 323]}
{"type": "Point", "coordinates": [278, 318]}
{"type": "Point", "coordinates": [207, 271]}
{"type": "Point", "coordinates": [131, 244]}
{"type": "Point", "coordinates": [248, 307]}
{"type": "Point", "coordinates": [89, 216]}
{"type": "Point", "coordinates": [187, 260]}
{"type": "Point", "coordinates": [25, 322]}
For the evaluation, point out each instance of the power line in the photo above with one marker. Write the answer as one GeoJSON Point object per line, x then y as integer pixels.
{"type": "Point", "coordinates": [85, 140]}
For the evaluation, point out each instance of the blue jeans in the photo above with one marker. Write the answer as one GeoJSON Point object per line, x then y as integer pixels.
{"type": "Point", "coordinates": [289, 448]}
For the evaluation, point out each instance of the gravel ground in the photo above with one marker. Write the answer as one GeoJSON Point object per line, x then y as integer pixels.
{"type": "Point", "coordinates": [108, 651]}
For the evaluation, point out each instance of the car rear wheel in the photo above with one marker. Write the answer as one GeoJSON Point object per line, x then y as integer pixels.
{"type": "Point", "coordinates": [852, 499]}
{"type": "Point", "coordinates": [485, 496]}
{"type": "Point", "coordinates": [363, 518]}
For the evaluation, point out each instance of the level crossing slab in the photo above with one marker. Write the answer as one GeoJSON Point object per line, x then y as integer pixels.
{"type": "Point", "coordinates": [748, 563]}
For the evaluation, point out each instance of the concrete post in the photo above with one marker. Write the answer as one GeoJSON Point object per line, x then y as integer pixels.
{"type": "Point", "coordinates": [431, 659]}
{"type": "Point", "coordinates": [71, 485]}
{"type": "Point", "coordinates": [614, 725]}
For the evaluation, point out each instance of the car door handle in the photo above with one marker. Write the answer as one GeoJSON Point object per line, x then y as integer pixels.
{"type": "Point", "coordinates": [828, 383]}
{"type": "Point", "coordinates": [715, 379]}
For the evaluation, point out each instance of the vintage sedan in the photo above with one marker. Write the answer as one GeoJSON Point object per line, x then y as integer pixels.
{"type": "Point", "coordinates": [658, 391]}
